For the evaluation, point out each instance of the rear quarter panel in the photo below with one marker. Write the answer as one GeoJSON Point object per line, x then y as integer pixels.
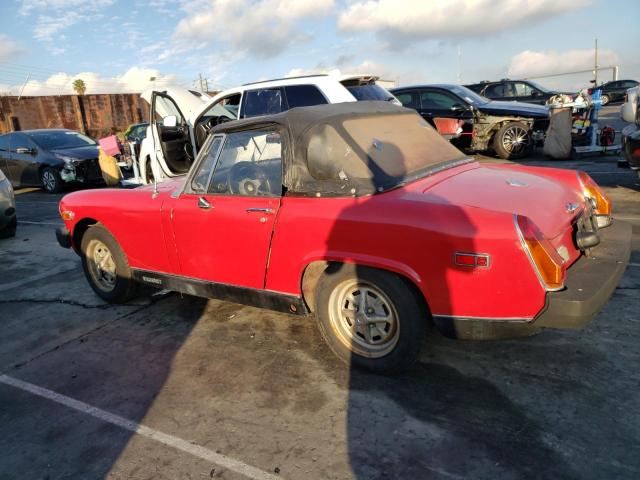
{"type": "Point", "coordinates": [415, 235]}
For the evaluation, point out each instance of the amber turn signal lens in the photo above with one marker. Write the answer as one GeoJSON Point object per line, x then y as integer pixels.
{"type": "Point", "coordinates": [544, 258]}
{"type": "Point", "coordinates": [67, 215]}
{"type": "Point", "coordinates": [591, 190]}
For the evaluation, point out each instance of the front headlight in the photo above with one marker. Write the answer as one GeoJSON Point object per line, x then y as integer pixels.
{"type": "Point", "coordinates": [69, 162]}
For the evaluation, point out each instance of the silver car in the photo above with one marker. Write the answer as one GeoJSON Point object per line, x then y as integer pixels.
{"type": "Point", "coordinates": [8, 218]}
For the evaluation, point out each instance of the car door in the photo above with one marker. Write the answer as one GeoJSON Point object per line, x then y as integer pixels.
{"type": "Point", "coordinates": [440, 107]}
{"type": "Point", "coordinates": [23, 163]}
{"type": "Point", "coordinates": [171, 137]}
{"type": "Point", "coordinates": [224, 218]}
{"type": "Point", "coordinates": [409, 99]}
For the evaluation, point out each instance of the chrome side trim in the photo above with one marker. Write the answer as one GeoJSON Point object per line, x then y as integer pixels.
{"type": "Point", "coordinates": [531, 260]}
{"type": "Point", "coordinates": [487, 319]}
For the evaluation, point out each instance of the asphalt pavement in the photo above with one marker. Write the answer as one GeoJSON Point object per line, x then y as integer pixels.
{"type": "Point", "coordinates": [178, 387]}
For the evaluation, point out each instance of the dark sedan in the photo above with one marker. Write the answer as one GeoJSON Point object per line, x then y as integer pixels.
{"type": "Point", "coordinates": [514, 90]}
{"type": "Point", "coordinates": [49, 158]}
{"type": "Point", "coordinates": [473, 122]}
{"type": "Point", "coordinates": [614, 91]}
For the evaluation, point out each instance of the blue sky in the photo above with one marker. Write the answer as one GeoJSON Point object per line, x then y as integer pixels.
{"type": "Point", "coordinates": [117, 45]}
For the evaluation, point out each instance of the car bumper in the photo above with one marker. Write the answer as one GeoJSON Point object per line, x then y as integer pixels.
{"type": "Point", "coordinates": [7, 204]}
{"type": "Point", "coordinates": [590, 281]}
{"type": "Point", "coordinates": [589, 284]}
{"type": "Point", "coordinates": [64, 237]}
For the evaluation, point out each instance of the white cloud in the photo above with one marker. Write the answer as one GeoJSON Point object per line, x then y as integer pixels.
{"type": "Point", "coordinates": [402, 21]}
{"type": "Point", "coordinates": [29, 6]}
{"type": "Point", "coordinates": [9, 48]}
{"type": "Point", "coordinates": [134, 80]}
{"type": "Point", "coordinates": [532, 63]}
{"type": "Point", "coordinates": [260, 27]}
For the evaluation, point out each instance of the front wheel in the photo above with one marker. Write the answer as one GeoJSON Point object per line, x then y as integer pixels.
{"type": "Point", "coordinates": [370, 318]}
{"type": "Point", "coordinates": [604, 99]}
{"type": "Point", "coordinates": [513, 140]}
{"type": "Point", "coordinates": [50, 180]}
{"type": "Point", "coordinates": [105, 266]}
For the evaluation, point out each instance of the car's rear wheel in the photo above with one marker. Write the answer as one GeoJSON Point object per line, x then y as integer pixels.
{"type": "Point", "coordinates": [105, 266]}
{"type": "Point", "coordinates": [605, 99]}
{"type": "Point", "coordinates": [370, 318]}
{"type": "Point", "coordinates": [10, 229]}
{"type": "Point", "coordinates": [50, 180]}
{"type": "Point", "coordinates": [513, 140]}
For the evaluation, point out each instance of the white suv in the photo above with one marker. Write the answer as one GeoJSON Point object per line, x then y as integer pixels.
{"type": "Point", "coordinates": [180, 119]}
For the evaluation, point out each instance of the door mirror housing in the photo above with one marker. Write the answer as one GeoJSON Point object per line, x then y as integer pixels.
{"type": "Point", "coordinates": [457, 108]}
{"type": "Point", "coordinates": [25, 150]}
{"type": "Point", "coordinates": [170, 121]}
{"type": "Point", "coordinates": [535, 93]}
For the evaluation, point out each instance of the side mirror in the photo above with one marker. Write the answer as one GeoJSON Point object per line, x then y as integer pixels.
{"type": "Point", "coordinates": [535, 93]}
{"type": "Point", "coordinates": [24, 150]}
{"type": "Point", "coordinates": [457, 108]}
{"type": "Point", "coordinates": [170, 121]}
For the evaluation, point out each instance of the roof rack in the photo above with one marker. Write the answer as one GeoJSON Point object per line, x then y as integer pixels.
{"type": "Point", "coordinates": [287, 78]}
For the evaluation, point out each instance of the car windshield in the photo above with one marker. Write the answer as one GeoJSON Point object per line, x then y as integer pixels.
{"type": "Point", "coordinates": [370, 91]}
{"type": "Point", "coordinates": [469, 95]}
{"type": "Point", "coordinates": [57, 139]}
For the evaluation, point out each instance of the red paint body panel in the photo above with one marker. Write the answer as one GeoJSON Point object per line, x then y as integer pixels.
{"type": "Point", "coordinates": [414, 230]}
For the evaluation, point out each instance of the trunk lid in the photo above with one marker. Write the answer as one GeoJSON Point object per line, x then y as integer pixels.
{"type": "Point", "coordinates": [493, 187]}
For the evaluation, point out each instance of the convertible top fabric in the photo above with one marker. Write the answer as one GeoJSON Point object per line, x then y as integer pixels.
{"type": "Point", "coordinates": [354, 148]}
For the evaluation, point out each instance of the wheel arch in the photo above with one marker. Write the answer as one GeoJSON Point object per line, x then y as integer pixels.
{"type": "Point", "coordinates": [314, 270]}
{"type": "Point", "coordinates": [79, 230]}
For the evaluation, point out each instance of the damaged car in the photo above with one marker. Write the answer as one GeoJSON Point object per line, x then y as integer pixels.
{"type": "Point", "coordinates": [475, 123]}
{"type": "Point", "coordinates": [181, 119]}
{"type": "Point", "coordinates": [362, 215]}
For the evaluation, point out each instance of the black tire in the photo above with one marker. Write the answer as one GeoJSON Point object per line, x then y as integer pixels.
{"type": "Point", "coordinates": [122, 287]}
{"type": "Point", "coordinates": [385, 288]}
{"type": "Point", "coordinates": [504, 136]}
{"type": "Point", "coordinates": [605, 99]}
{"type": "Point", "coordinates": [10, 230]}
{"type": "Point", "coordinates": [50, 180]}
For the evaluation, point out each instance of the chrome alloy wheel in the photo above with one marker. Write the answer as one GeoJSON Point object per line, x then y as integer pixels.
{"type": "Point", "coordinates": [364, 318]}
{"type": "Point", "coordinates": [101, 265]}
{"type": "Point", "coordinates": [48, 180]}
{"type": "Point", "coordinates": [515, 140]}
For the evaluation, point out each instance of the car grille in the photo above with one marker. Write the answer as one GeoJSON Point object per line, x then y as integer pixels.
{"type": "Point", "coordinates": [89, 170]}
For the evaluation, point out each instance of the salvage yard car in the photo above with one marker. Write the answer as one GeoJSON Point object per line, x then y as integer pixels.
{"type": "Point", "coordinates": [49, 158]}
{"type": "Point", "coordinates": [362, 214]}
{"type": "Point", "coordinates": [473, 122]}
{"type": "Point", "coordinates": [181, 118]}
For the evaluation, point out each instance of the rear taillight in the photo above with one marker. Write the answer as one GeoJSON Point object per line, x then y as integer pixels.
{"type": "Point", "coordinates": [599, 200]}
{"type": "Point", "coordinates": [545, 260]}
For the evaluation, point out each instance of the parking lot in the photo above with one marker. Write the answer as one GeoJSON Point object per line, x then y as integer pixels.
{"type": "Point", "coordinates": [174, 386]}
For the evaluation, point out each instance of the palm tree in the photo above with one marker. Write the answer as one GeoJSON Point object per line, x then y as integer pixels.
{"type": "Point", "coordinates": [79, 86]}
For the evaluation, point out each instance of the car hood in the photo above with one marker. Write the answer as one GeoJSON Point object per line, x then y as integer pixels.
{"type": "Point", "coordinates": [515, 108]}
{"type": "Point", "coordinates": [83, 153]}
{"type": "Point", "coordinates": [501, 189]}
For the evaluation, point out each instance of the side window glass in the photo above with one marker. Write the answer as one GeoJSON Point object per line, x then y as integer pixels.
{"type": "Point", "coordinates": [165, 107]}
{"type": "Point", "coordinates": [522, 89]}
{"type": "Point", "coordinates": [200, 180]}
{"type": "Point", "coordinates": [406, 99]}
{"type": "Point", "coordinates": [496, 90]}
{"type": "Point", "coordinates": [19, 140]}
{"type": "Point", "coordinates": [250, 164]}
{"type": "Point", "coordinates": [304, 96]}
{"type": "Point", "coordinates": [439, 100]}
{"type": "Point", "coordinates": [262, 102]}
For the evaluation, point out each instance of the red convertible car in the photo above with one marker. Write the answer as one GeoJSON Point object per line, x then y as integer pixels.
{"type": "Point", "coordinates": [361, 214]}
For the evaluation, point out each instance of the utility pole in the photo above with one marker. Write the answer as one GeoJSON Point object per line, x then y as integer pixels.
{"type": "Point", "coordinates": [595, 82]}
{"type": "Point", "coordinates": [200, 81]}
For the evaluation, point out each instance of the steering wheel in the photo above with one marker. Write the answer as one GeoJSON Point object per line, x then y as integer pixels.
{"type": "Point", "coordinates": [247, 178]}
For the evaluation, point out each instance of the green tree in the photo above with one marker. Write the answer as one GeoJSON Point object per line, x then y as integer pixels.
{"type": "Point", "coordinates": [79, 86]}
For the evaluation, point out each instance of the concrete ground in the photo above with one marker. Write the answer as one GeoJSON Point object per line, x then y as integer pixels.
{"type": "Point", "coordinates": [177, 387]}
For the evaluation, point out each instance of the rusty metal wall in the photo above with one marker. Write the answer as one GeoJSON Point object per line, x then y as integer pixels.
{"type": "Point", "coordinates": [104, 114]}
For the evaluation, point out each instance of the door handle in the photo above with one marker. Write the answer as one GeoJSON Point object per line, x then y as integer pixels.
{"type": "Point", "coordinates": [204, 203]}
{"type": "Point", "coordinates": [268, 211]}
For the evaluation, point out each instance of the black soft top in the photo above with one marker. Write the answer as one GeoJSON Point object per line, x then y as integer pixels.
{"type": "Point", "coordinates": [353, 148]}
